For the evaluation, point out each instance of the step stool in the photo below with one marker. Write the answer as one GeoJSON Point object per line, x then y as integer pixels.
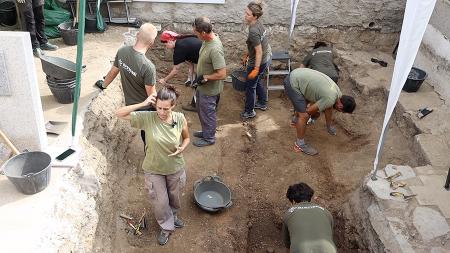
{"type": "Point", "coordinates": [281, 56]}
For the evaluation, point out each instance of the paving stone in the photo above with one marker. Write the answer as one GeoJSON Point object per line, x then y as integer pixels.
{"type": "Point", "coordinates": [436, 122]}
{"type": "Point", "coordinates": [399, 230]}
{"type": "Point", "coordinates": [434, 149]}
{"type": "Point", "coordinates": [429, 223]}
{"type": "Point", "coordinates": [416, 100]}
{"type": "Point", "coordinates": [381, 225]}
{"type": "Point", "coordinates": [407, 172]}
{"type": "Point", "coordinates": [429, 170]}
{"type": "Point", "coordinates": [433, 193]}
{"type": "Point", "coordinates": [381, 188]}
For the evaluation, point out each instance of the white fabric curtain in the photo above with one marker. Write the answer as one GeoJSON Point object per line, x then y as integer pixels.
{"type": "Point", "coordinates": [294, 4]}
{"type": "Point", "coordinates": [415, 21]}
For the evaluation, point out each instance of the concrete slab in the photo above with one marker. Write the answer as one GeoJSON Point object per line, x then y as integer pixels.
{"type": "Point", "coordinates": [429, 170]}
{"type": "Point", "coordinates": [416, 100]}
{"type": "Point", "coordinates": [429, 223]}
{"type": "Point", "coordinates": [436, 122]}
{"type": "Point", "coordinates": [434, 149]}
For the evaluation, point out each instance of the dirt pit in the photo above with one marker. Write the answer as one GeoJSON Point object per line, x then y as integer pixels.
{"type": "Point", "coordinates": [258, 167]}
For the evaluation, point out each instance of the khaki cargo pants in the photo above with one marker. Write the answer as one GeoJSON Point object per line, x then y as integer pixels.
{"type": "Point", "coordinates": [164, 193]}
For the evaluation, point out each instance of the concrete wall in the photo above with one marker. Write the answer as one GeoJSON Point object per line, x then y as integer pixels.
{"type": "Point", "coordinates": [434, 53]}
{"type": "Point", "coordinates": [21, 116]}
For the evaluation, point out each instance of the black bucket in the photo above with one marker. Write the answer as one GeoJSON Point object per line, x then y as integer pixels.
{"type": "Point", "coordinates": [91, 23]}
{"type": "Point", "coordinates": [29, 172]}
{"type": "Point", "coordinates": [8, 14]}
{"type": "Point", "coordinates": [238, 79]}
{"type": "Point", "coordinates": [58, 67]}
{"type": "Point", "coordinates": [63, 94]}
{"type": "Point", "coordinates": [415, 79]}
{"type": "Point", "coordinates": [68, 33]}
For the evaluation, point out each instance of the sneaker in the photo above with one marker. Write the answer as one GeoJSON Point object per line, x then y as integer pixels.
{"type": "Point", "coordinates": [163, 238]}
{"type": "Point", "coordinates": [37, 52]}
{"type": "Point", "coordinates": [198, 134]}
{"type": "Point", "coordinates": [248, 115]}
{"type": "Point", "coordinates": [178, 223]}
{"type": "Point", "coordinates": [49, 47]}
{"type": "Point", "coordinates": [305, 148]}
{"type": "Point", "coordinates": [187, 83]}
{"type": "Point", "coordinates": [311, 121]}
{"type": "Point", "coordinates": [261, 107]}
{"type": "Point", "coordinates": [202, 143]}
{"type": "Point", "coordinates": [189, 107]}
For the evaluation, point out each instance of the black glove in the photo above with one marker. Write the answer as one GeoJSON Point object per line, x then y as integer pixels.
{"type": "Point", "coordinates": [99, 84]}
{"type": "Point", "coordinates": [198, 81]}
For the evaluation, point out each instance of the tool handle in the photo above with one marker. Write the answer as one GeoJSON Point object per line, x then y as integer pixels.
{"type": "Point", "coordinates": [9, 143]}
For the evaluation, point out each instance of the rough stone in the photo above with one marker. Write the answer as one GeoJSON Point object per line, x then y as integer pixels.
{"type": "Point", "coordinates": [433, 193]}
{"type": "Point", "coordinates": [399, 230]}
{"type": "Point", "coordinates": [381, 188]}
{"type": "Point", "coordinates": [380, 225]}
{"type": "Point", "coordinates": [429, 223]}
{"type": "Point", "coordinates": [429, 170]}
{"type": "Point", "coordinates": [406, 171]}
{"type": "Point", "coordinates": [434, 149]}
{"type": "Point", "coordinates": [435, 122]}
{"type": "Point", "coordinates": [439, 250]}
{"type": "Point", "coordinates": [416, 100]}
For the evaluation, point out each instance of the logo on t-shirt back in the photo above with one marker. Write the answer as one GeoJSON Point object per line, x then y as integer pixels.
{"type": "Point", "coordinates": [126, 68]}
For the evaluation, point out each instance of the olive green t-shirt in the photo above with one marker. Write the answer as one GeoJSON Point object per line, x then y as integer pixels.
{"type": "Point", "coordinates": [308, 227]}
{"type": "Point", "coordinates": [136, 71]}
{"type": "Point", "coordinates": [258, 35]}
{"type": "Point", "coordinates": [321, 59]}
{"type": "Point", "coordinates": [211, 58]}
{"type": "Point", "coordinates": [162, 139]}
{"type": "Point", "coordinates": [316, 87]}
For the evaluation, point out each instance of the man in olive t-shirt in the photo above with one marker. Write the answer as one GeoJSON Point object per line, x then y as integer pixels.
{"type": "Point", "coordinates": [137, 72]}
{"type": "Point", "coordinates": [307, 227]}
{"type": "Point", "coordinates": [312, 92]}
{"type": "Point", "coordinates": [211, 71]}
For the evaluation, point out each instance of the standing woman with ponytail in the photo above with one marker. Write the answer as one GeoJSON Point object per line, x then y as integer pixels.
{"type": "Point", "coordinates": [167, 135]}
{"type": "Point", "coordinates": [257, 58]}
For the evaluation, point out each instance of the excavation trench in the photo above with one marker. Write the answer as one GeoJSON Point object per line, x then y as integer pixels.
{"type": "Point", "coordinates": [255, 158]}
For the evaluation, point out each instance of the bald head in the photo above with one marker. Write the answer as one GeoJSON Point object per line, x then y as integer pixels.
{"type": "Point", "coordinates": [147, 33]}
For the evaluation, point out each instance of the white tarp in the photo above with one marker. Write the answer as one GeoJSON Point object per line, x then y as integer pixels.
{"type": "Point", "coordinates": [294, 4]}
{"type": "Point", "coordinates": [415, 21]}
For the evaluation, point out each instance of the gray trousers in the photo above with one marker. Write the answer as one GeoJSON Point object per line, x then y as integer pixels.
{"type": "Point", "coordinates": [207, 113]}
{"type": "Point", "coordinates": [164, 193]}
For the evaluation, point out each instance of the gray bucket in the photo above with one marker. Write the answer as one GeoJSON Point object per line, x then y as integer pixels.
{"type": "Point", "coordinates": [211, 194]}
{"type": "Point", "coordinates": [29, 172]}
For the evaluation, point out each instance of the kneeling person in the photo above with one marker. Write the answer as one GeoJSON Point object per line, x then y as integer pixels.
{"type": "Point", "coordinates": [305, 86]}
{"type": "Point", "coordinates": [307, 227]}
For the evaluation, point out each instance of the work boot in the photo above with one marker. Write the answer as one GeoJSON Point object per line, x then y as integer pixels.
{"type": "Point", "coordinates": [163, 238]}
{"type": "Point", "coordinates": [48, 46]}
{"type": "Point", "coordinates": [178, 223]}
{"type": "Point", "coordinates": [305, 148]}
{"type": "Point", "coordinates": [202, 143]}
{"type": "Point", "coordinates": [189, 107]}
{"type": "Point", "coordinates": [198, 134]}
{"type": "Point", "coordinates": [248, 115]}
{"type": "Point", "coordinates": [260, 106]}
{"type": "Point", "coordinates": [37, 52]}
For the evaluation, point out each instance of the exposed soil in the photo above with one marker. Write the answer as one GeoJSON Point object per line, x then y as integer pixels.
{"type": "Point", "coordinates": [258, 169]}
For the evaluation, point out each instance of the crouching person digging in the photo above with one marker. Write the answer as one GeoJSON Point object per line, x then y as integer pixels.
{"type": "Point", "coordinates": [305, 86]}
{"type": "Point", "coordinates": [163, 163]}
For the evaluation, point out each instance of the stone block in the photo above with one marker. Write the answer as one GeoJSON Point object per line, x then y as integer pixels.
{"type": "Point", "coordinates": [22, 118]}
{"type": "Point", "coordinates": [400, 231]}
{"type": "Point", "coordinates": [434, 123]}
{"type": "Point", "coordinates": [429, 170]}
{"type": "Point", "coordinates": [381, 188]}
{"type": "Point", "coordinates": [434, 149]}
{"type": "Point", "coordinates": [406, 171]}
{"type": "Point", "coordinates": [415, 100]}
{"type": "Point", "coordinates": [381, 226]}
{"type": "Point", "coordinates": [429, 223]}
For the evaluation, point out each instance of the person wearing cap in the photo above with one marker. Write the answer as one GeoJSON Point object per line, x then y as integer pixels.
{"type": "Point", "coordinates": [257, 57]}
{"type": "Point", "coordinates": [137, 72]}
{"type": "Point", "coordinates": [211, 71]}
{"type": "Point", "coordinates": [307, 227]}
{"type": "Point", "coordinates": [185, 49]}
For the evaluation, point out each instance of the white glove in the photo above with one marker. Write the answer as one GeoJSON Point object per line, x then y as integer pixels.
{"type": "Point", "coordinates": [21, 1]}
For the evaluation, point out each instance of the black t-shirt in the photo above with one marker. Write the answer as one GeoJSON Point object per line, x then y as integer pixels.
{"type": "Point", "coordinates": [186, 49]}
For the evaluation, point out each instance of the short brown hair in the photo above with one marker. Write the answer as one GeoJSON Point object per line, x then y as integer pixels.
{"type": "Point", "coordinates": [202, 24]}
{"type": "Point", "coordinates": [256, 7]}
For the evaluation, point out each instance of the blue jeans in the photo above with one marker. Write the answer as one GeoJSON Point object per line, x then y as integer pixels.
{"type": "Point", "coordinates": [254, 88]}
